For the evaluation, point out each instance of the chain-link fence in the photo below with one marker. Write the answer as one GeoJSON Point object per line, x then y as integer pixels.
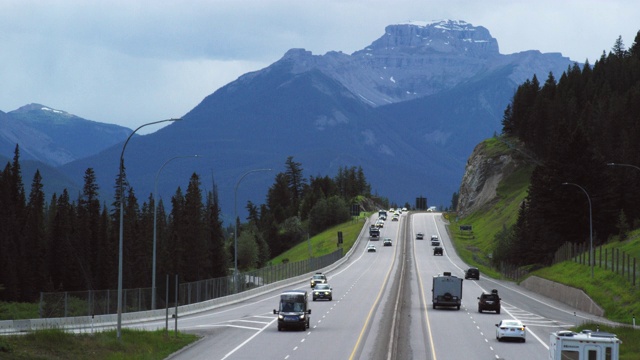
{"type": "Point", "coordinates": [101, 302]}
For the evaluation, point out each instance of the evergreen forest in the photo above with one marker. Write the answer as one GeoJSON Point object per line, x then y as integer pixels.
{"type": "Point", "coordinates": [70, 242]}
{"type": "Point", "coordinates": [582, 133]}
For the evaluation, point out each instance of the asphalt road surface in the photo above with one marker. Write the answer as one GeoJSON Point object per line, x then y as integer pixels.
{"type": "Point", "coordinates": [382, 309]}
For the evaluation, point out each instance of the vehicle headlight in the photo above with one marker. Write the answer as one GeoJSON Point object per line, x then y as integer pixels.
{"type": "Point", "coordinates": [280, 317]}
{"type": "Point", "coordinates": [302, 317]}
{"type": "Point", "coordinates": [326, 293]}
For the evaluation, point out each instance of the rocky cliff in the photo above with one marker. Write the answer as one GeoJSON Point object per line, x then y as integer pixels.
{"type": "Point", "coordinates": [491, 161]}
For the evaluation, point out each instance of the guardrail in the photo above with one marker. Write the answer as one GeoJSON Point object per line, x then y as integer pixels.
{"type": "Point", "coordinates": [100, 321]}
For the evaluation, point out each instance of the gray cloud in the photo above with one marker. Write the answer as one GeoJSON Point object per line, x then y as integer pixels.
{"type": "Point", "coordinates": [131, 62]}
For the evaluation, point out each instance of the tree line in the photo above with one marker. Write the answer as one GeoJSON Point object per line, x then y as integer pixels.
{"type": "Point", "coordinates": [575, 128]}
{"type": "Point", "coordinates": [71, 243]}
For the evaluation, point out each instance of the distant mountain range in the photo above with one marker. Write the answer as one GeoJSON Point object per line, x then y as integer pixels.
{"type": "Point", "coordinates": [408, 109]}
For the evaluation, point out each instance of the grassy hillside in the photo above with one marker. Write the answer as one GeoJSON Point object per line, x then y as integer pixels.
{"type": "Point", "coordinates": [325, 242]}
{"type": "Point", "coordinates": [476, 246]}
{"type": "Point", "coordinates": [615, 293]}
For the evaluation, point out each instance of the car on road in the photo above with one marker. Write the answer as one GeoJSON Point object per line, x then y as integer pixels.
{"type": "Point", "coordinates": [387, 242]}
{"type": "Point", "coordinates": [437, 250]}
{"type": "Point", "coordinates": [371, 248]}
{"type": "Point", "coordinates": [511, 329]}
{"type": "Point", "coordinates": [293, 310]}
{"type": "Point", "coordinates": [489, 302]}
{"type": "Point", "coordinates": [318, 278]}
{"type": "Point", "coordinates": [322, 291]}
{"type": "Point", "coordinates": [419, 236]}
{"type": "Point", "coordinates": [472, 273]}
{"type": "Point", "coordinates": [434, 240]}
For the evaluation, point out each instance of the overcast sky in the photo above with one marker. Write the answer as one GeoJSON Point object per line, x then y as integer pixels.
{"type": "Point", "coordinates": [132, 62]}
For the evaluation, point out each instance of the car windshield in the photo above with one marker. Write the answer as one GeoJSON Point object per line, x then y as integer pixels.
{"type": "Point", "coordinates": [318, 277]}
{"type": "Point", "coordinates": [511, 323]}
{"type": "Point", "coordinates": [322, 287]}
{"type": "Point", "coordinates": [292, 307]}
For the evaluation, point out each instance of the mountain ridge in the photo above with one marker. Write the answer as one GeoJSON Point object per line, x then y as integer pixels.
{"type": "Point", "coordinates": [384, 108]}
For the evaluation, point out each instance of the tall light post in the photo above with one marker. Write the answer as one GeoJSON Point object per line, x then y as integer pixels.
{"type": "Point", "coordinates": [591, 260]}
{"type": "Point", "coordinates": [235, 221]}
{"type": "Point", "coordinates": [120, 188]}
{"type": "Point", "coordinates": [628, 165]}
{"type": "Point", "coordinates": [155, 221]}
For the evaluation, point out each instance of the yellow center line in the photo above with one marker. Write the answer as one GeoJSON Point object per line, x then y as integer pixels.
{"type": "Point", "coordinates": [423, 298]}
{"type": "Point", "coordinates": [375, 304]}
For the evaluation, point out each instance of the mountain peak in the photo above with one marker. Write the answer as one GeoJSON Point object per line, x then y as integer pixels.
{"type": "Point", "coordinates": [39, 107]}
{"type": "Point", "coordinates": [454, 37]}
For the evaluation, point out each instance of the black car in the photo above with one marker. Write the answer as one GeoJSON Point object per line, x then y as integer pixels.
{"type": "Point", "coordinates": [472, 273]}
{"type": "Point", "coordinates": [437, 250]}
{"type": "Point", "coordinates": [489, 302]}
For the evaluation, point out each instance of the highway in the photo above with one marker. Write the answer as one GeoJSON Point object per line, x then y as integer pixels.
{"type": "Point", "coordinates": [382, 309]}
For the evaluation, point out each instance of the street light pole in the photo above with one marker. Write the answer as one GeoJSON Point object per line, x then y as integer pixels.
{"type": "Point", "coordinates": [628, 165]}
{"type": "Point", "coordinates": [235, 221]}
{"type": "Point", "coordinates": [155, 213]}
{"type": "Point", "coordinates": [121, 233]}
{"type": "Point", "coordinates": [591, 259]}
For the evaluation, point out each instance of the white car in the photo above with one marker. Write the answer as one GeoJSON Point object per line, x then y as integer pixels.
{"type": "Point", "coordinates": [371, 248]}
{"type": "Point", "coordinates": [511, 328]}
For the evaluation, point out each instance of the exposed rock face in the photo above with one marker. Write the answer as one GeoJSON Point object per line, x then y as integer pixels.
{"type": "Point", "coordinates": [482, 176]}
{"type": "Point", "coordinates": [418, 59]}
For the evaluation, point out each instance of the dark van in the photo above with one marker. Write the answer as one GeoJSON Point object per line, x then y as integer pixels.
{"type": "Point", "coordinates": [293, 310]}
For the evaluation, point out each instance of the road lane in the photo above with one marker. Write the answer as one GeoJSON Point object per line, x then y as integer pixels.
{"type": "Point", "coordinates": [358, 323]}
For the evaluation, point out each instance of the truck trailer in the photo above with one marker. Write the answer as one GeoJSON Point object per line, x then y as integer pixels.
{"type": "Point", "coordinates": [585, 345]}
{"type": "Point", "coordinates": [446, 290]}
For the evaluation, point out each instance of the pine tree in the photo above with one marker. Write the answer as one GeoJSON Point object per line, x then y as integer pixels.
{"type": "Point", "coordinates": [88, 224]}
{"type": "Point", "coordinates": [218, 261]}
{"type": "Point", "coordinates": [34, 271]}
{"type": "Point", "coordinates": [193, 232]}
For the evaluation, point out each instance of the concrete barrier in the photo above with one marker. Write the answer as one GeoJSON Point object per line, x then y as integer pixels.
{"type": "Point", "coordinates": [566, 294]}
{"type": "Point", "coordinates": [90, 323]}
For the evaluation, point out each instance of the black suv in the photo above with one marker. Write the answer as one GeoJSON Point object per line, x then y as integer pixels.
{"type": "Point", "coordinates": [490, 302]}
{"type": "Point", "coordinates": [437, 250]}
{"type": "Point", "coordinates": [472, 273]}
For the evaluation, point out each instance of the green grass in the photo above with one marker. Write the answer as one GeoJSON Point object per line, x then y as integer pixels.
{"type": "Point", "coordinates": [476, 246]}
{"type": "Point", "coordinates": [614, 293]}
{"type": "Point", "coordinates": [325, 242]}
{"type": "Point", "coordinates": [57, 344]}
{"type": "Point", "coordinates": [618, 298]}
{"type": "Point", "coordinates": [13, 310]}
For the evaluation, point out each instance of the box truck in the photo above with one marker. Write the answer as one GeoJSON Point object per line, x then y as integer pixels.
{"type": "Point", "coordinates": [447, 290]}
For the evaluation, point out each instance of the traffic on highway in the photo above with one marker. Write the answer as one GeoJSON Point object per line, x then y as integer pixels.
{"type": "Point", "coordinates": [382, 307]}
